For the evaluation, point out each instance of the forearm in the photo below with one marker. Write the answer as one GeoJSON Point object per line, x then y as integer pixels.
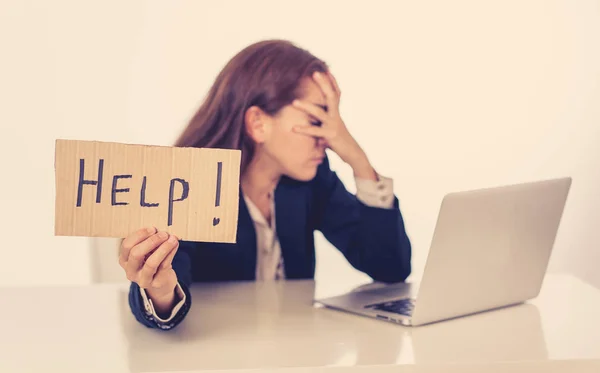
{"type": "Point", "coordinates": [361, 166]}
{"type": "Point", "coordinates": [381, 245]}
{"type": "Point", "coordinates": [367, 228]}
{"type": "Point", "coordinates": [381, 241]}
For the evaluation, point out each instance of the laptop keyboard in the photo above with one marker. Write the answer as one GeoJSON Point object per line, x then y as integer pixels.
{"type": "Point", "coordinates": [401, 306]}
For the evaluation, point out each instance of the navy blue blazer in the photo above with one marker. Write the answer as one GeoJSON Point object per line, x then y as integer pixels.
{"type": "Point", "coordinates": [373, 240]}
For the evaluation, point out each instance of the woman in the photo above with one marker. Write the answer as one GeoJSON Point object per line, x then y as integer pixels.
{"type": "Point", "coordinates": [280, 105]}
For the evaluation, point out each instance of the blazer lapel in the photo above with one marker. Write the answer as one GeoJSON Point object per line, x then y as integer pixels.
{"type": "Point", "coordinates": [246, 241]}
{"type": "Point", "coordinates": [290, 216]}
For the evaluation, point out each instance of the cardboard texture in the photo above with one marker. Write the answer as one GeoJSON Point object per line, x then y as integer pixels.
{"type": "Point", "coordinates": [106, 189]}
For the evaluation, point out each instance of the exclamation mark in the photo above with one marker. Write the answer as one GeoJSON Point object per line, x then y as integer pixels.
{"type": "Point", "coordinates": [218, 191]}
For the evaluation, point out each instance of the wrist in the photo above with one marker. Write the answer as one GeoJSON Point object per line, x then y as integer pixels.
{"type": "Point", "coordinates": [163, 302]}
{"type": "Point", "coordinates": [362, 168]}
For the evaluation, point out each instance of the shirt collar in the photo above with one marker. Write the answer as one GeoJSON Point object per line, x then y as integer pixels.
{"type": "Point", "coordinates": [256, 215]}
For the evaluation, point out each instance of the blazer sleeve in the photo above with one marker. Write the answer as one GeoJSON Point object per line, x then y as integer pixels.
{"type": "Point", "coordinates": [372, 239]}
{"type": "Point", "coordinates": [182, 268]}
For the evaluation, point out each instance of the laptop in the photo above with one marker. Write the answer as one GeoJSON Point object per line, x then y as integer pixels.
{"type": "Point", "coordinates": [490, 249]}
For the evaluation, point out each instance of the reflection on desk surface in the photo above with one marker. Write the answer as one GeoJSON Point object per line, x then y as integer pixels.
{"type": "Point", "coordinates": [269, 325]}
{"type": "Point", "coordinates": [243, 325]}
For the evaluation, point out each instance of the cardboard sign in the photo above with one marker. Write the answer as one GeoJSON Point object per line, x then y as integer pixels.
{"type": "Point", "coordinates": [110, 190]}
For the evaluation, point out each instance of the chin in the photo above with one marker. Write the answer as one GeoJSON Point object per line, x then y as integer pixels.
{"type": "Point", "coordinates": [306, 174]}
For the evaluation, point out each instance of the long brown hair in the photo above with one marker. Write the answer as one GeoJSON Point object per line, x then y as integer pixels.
{"type": "Point", "coordinates": [265, 74]}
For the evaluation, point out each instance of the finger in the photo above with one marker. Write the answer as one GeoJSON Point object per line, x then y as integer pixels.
{"type": "Point", "coordinates": [327, 87]}
{"type": "Point", "coordinates": [311, 131]}
{"type": "Point", "coordinates": [154, 261]}
{"type": "Point", "coordinates": [139, 252]}
{"type": "Point", "coordinates": [132, 240]}
{"type": "Point", "coordinates": [336, 87]}
{"type": "Point", "coordinates": [168, 262]}
{"type": "Point", "coordinates": [312, 109]}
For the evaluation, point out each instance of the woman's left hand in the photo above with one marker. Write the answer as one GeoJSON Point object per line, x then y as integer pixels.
{"type": "Point", "coordinates": [332, 129]}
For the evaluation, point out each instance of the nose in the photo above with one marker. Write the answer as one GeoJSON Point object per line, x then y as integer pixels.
{"type": "Point", "coordinates": [321, 143]}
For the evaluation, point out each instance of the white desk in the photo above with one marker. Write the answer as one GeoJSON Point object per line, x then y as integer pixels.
{"type": "Point", "coordinates": [273, 325]}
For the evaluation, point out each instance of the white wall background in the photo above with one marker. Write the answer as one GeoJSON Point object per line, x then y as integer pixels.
{"type": "Point", "coordinates": [444, 96]}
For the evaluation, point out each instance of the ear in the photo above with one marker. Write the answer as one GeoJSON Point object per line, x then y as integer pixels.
{"type": "Point", "coordinates": [256, 124]}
